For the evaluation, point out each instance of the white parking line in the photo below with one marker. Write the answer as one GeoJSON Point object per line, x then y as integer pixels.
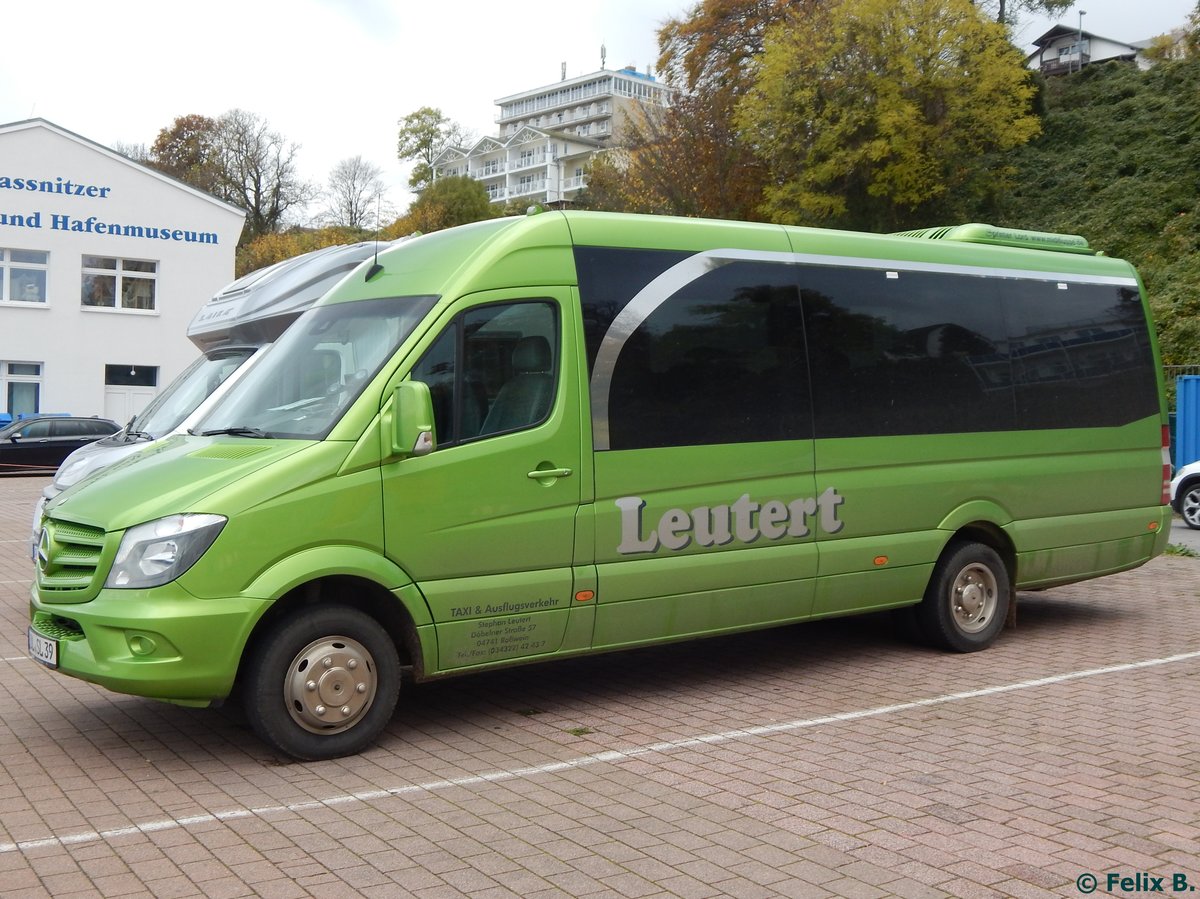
{"type": "Point", "coordinates": [612, 756]}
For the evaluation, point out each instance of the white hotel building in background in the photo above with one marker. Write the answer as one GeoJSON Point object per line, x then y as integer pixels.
{"type": "Point", "coordinates": [103, 263]}
{"type": "Point", "coordinates": [546, 136]}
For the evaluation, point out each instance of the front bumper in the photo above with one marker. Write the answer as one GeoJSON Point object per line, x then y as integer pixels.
{"type": "Point", "coordinates": [162, 643]}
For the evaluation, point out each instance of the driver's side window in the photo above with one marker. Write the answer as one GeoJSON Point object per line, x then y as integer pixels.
{"type": "Point", "coordinates": [492, 371]}
{"type": "Point", "coordinates": [35, 430]}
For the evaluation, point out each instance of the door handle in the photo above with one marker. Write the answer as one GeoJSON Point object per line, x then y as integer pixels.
{"type": "Point", "coordinates": [539, 474]}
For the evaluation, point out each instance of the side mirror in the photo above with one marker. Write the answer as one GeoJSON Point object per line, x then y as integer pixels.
{"type": "Point", "coordinates": [412, 420]}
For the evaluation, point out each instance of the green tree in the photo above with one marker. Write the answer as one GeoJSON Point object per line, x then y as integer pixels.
{"type": "Point", "coordinates": [449, 202]}
{"type": "Point", "coordinates": [883, 114]}
{"type": "Point", "coordinates": [1118, 161]}
{"type": "Point", "coordinates": [423, 134]}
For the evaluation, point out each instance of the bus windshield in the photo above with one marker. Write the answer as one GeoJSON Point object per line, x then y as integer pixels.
{"type": "Point", "coordinates": [316, 369]}
{"type": "Point", "coordinates": [186, 392]}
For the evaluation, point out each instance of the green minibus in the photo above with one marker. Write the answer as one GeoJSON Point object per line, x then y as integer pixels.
{"type": "Point", "coordinates": [572, 432]}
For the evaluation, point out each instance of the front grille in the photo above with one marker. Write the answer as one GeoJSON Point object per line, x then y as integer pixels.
{"type": "Point", "coordinates": [68, 558]}
{"type": "Point", "coordinates": [56, 628]}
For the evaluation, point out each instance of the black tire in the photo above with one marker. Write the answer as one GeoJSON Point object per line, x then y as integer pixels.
{"type": "Point", "coordinates": [966, 602]}
{"type": "Point", "coordinates": [341, 711]}
{"type": "Point", "coordinates": [1189, 504]}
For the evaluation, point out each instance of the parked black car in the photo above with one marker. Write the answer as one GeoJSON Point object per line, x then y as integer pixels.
{"type": "Point", "coordinates": [38, 445]}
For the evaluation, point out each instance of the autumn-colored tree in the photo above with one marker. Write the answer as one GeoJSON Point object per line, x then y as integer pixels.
{"type": "Point", "coordinates": [884, 114]}
{"type": "Point", "coordinates": [715, 48]}
{"type": "Point", "coordinates": [239, 159]}
{"type": "Point", "coordinates": [277, 246]}
{"type": "Point", "coordinates": [187, 150]}
{"type": "Point", "coordinates": [423, 134]}
{"type": "Point", "coordinates": [688, 159]}
{"type": "Point", "coordinates": [684, 160]}
{"type": "Point", "coordinates": [449, 202]}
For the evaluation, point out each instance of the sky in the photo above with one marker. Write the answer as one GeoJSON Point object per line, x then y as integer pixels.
{"type": "Point", "coordinates": [336, 76]}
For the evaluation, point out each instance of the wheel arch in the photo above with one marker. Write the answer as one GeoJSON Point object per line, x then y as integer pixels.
{"type": "Point", "coordinates": [983, 521]}
{"type": "Point", "coordinates": [394, 614]}
{"type": "Point", "coordinates": [992, 536]}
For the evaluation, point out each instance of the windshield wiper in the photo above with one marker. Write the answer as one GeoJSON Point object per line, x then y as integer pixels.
{"type": "Point", "coordinates": [238, 431]}
{"type": "Point", "coordinates": [132, 436]}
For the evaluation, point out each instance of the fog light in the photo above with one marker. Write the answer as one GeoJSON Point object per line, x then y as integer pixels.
{"type": "Point", "coordinates": [141, 645]}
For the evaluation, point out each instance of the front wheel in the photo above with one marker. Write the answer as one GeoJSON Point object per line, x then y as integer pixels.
{"type": "Point", "coordinates": [967, 599]}
{"type": "Point", "coordinates": [1189, 505]}
{"type": "Point", "coordinates": [323, 683]}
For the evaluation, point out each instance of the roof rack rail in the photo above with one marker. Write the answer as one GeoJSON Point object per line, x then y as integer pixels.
{"type": "Point", "coordinates": [1005, 237]}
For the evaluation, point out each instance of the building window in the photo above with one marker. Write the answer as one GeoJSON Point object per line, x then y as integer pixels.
{"type": "Point", "coordinates": [23, 275]}
{"type": "Point", "coordinates": [110, 283]}
{"type": "Point", "coordinates": [21, 383]}
{"type": "Point", "coordinates": [131, 376]}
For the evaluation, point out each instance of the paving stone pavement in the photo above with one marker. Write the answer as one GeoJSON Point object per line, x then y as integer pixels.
{"type": "Point", "coordinates": [827, 759]}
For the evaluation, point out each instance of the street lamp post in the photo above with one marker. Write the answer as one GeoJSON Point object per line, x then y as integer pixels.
{"type": "Point", "coordinates": [1079, 39]}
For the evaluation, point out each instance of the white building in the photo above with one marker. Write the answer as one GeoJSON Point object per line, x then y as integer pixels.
{"type": "Point", "coordinates": [103, 262]}
{"type": "Point", "coordinates": [547, 135]}
{"type": "Point", "coordinates": [1063, 49]}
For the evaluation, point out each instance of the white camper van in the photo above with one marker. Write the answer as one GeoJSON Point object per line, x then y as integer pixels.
{"type": "Point", "coordinates": [232, 330]}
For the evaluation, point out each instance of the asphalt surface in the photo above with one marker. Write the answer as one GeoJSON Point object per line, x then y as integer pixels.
{"type": "Point", "coordinates": [826, 759]}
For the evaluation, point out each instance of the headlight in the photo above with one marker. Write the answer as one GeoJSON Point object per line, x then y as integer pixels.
{"type": "Point", "coordinates": [71, 473]}
{"type": "Point", "coordinates": [157, 552]}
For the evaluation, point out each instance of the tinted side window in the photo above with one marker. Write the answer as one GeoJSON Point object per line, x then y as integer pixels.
{"type": "Point", "coordinates": [721, 360]}
{"type": "Point", "coordinates": [1081, 355]}
{"type": "Point", "coordinates": [69, 429]}
{"type": "Point", "coordinates": [35, 430]}
{"type": "Point", "coordinates": [608, 279]}
{"type": "Point", "coordinates": [906, 352]}
{"type": "Point", "coordinates": [492, 371]}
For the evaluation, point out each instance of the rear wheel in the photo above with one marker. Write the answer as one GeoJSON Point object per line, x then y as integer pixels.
{"type": "Point", "coordinates": [323, 683]}
{"type": "Point", "coordinates": [1189, 504]}
{"type": "Point", "coordinates": [967, 599]}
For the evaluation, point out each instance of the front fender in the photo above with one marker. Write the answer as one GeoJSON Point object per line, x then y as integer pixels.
{"type": "Point", "coordinates": [330, 561]}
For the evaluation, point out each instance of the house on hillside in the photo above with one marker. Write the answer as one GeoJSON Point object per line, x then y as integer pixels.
{"type": "Point", "coordinates": [1063, 49]}
{"type": "Point", "coordinates": [533, 164]}
{"type": "Point", "coordinates": [547, 135]}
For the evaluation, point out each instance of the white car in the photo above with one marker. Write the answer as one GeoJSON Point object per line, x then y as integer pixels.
{"type": "Point", "coordinates": [1185, 494]}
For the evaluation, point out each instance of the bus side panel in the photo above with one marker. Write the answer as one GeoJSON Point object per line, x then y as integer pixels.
{"type": "Point", "coordinates": [1087, 490]}
{"type": "Point", "coordinates": [1103, 542]}
{"type": "Point", "coordinates": [681, 544]}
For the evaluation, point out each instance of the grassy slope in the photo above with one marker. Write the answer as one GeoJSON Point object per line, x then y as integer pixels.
{"type": "Point", "coordinates": [1119, 162]}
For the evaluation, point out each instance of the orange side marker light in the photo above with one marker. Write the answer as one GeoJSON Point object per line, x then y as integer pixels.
{"type": "Point", "coordinates": [585, 595]}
